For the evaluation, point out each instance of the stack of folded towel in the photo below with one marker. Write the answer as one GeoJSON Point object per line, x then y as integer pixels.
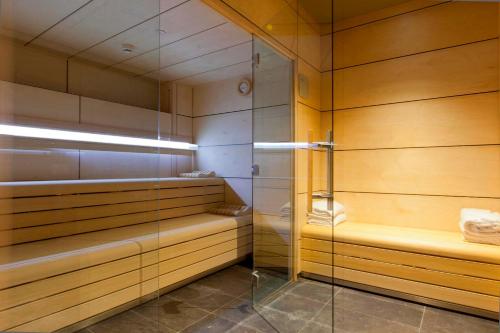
{"type": "Point", "coordinates": [480, 226]}
{"type": "Point", "coordinates": [231, 210]}
{"type": "Point", "coordinates": [321, 215]}
{"type": "Point", "coordinates": [198, 174]}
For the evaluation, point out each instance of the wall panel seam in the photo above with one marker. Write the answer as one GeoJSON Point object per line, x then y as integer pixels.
{"type": "Point", "coordinates": [423, 147]}
{"type": "Point", "coordinates": [413, 54]}
{"type": "Point", "coordinates": [392, 16]}
{"type": "Point", "coordinates": [417, 100]}
{"type": "Point", "coordinates": [416, 194]}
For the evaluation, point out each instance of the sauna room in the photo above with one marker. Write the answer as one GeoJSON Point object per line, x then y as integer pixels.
{"type": "Point", "coordinates": [287, 166]}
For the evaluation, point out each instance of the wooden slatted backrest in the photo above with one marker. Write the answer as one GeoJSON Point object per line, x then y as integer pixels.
{"type": "Point", "coordinates": [32, 211]}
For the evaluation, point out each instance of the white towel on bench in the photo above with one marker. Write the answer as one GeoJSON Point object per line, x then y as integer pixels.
{"type": "Point", "coordinates": [231, 210]}
{"type": "Point", "coordinates": [320, 207]}
{"type": "Point", "coordinates": [327, 222]}
{"type": "Point", "coordinates": [321, 215]}
{"type": "Point", "coordinates": [198, 174]}
{"type": "Point", "coordinates": [480, 226]}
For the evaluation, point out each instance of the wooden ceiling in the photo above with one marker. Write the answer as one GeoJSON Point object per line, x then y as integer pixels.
{"type": "Point", "coordinates": [186, 39]}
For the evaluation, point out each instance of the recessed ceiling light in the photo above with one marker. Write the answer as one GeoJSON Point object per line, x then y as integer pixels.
{"type": "Point", "coordinates": [128, 48]}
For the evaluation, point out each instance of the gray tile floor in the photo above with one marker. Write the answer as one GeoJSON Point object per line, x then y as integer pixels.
{"type": "Point", "coordinates": [222, 303]}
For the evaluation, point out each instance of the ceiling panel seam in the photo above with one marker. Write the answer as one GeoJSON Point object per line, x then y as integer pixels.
{"type": "Point", "coordinates": [57, 23]}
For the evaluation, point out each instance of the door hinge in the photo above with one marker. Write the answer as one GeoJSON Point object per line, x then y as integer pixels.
{"type": "Point", "coordinates": [256, 278]}
{"type": "Point", "coordinates": [256, 59]}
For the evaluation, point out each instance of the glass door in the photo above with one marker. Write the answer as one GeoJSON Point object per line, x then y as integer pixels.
{"type": "Point", "coordinates": [273, 159]}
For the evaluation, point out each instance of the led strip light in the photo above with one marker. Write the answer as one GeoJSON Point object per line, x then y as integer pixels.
{"type": "Point", "coordinates": [55, 134]}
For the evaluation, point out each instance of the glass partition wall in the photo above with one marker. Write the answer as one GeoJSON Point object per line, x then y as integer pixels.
{"type": "Point", "coordinates": [273, 178]}
{"type": "Point", "coordinates": [97, 113]}
{"type": "Point", "coordinates": [80, 161]}
{"type": "Point", "coordinates": [413, 81]}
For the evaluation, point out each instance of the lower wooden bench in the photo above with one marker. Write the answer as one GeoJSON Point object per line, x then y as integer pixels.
{"type": "Point", "coordinates": [437, 265]}
{"type": "Point", "coordinates": [46, 293]}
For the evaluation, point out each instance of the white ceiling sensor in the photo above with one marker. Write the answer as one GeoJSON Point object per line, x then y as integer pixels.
{"type": "Point", "coordinates": [75, 136]}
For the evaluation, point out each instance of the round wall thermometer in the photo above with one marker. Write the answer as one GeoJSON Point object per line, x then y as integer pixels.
{"type": "Point", "coordinates": [244, 87]}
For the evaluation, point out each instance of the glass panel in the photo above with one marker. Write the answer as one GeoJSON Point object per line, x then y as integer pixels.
{"type": "Point", "coordinates": [79, 162]}
{"type": "Point", "coordinates": [416, 128]}
{"type": "Point", "coordinates": [272, 172]}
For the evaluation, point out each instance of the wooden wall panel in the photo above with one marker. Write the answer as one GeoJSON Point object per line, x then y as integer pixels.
{"type": "Point", "coordinates": [458, 171]}
{"type": "Point", "coordinates": [459, 70]}
{"type": "Point", "coordinates": [326, 91]}
{"type": "Point", "coordinates": [464, 120]}
{"type": "Point", "coordinates": [434, 28]}
{"type": "Point", "coordinates": [414, 211]}
{"type": "Point", "coordinates": [405, 7]}
{"type": "Point", "coordinates": [309, 42]}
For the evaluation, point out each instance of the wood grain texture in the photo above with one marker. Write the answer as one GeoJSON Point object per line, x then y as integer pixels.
{"type": "Point", "coordinates": [449, 24]}
{"type": "Point", "coordinates": [96, 306]}
{"type": "Point", "coordinates": [415, 240]}
{"type": "Point", "coordinates": [46, 188]}
{"type": "Point", "coordinates": [317, 245]}
{"type": "Point", "coordinates": [414, 211]}
{"type": "Point", "coordinates": [317, 268]}
{"type": "Point", "coordinates": [20, 205]}
{"type": "Point", "coordinates": [384, 13]}
{"type": "Point", "coordinates": [471, 299]}
{"type": "Point", "coordinates": [467, 69]}
{"type": "Point", "coordinates": [30, 219]}
{"type": "Point", "coordinates": [459, 171]}
{"type": "Point", "coordinates": [195, 249]}
{"type": "Point", "coordinates": [45, 280]}
{"type": "Point", "coordinates": [435, 263]}
{"type": "Point", "coordinates": [317, 256]}
{"type": "Point", "coordinates": [464, 120]}
{"type": "Point", "coordinates": [431, 277]}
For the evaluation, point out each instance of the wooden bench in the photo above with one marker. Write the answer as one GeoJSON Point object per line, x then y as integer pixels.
{"type": "Point", "coordinates": [437, 265]}
{"type": "Point", "coordinates": [73, 250]}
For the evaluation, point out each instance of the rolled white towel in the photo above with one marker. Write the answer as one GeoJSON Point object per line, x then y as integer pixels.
{"type": "Point", "coordinates": [479, 221]}
{"type": "Point", "coordinates": [492, 239]}
{"type": "Point", "coordinates": [480, 226]}
{"type": "Point", "coordinates": [198, 174]}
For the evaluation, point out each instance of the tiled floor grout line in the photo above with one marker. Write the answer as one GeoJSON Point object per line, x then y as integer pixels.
{"type": "Point", "coordinates": [317, 314]}
{"type": "Point", "coordinates": [422, 319]}
{"type": "Point", "coordinates": [213, 312]}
